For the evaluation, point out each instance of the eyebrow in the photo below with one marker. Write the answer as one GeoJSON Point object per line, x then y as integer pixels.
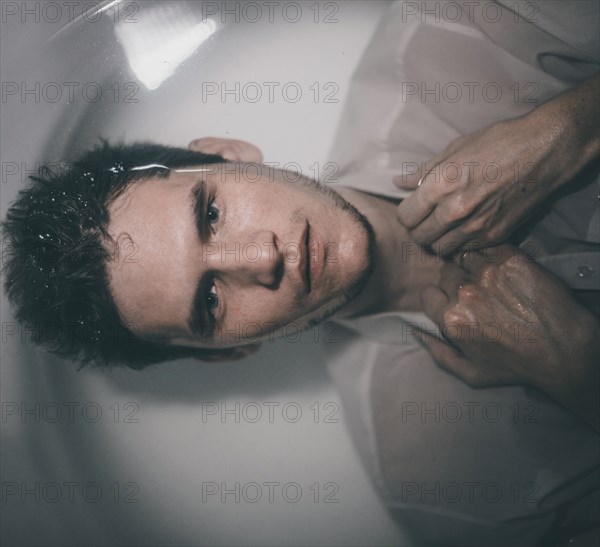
{"type": "Point", "coordinates": [197, 320]}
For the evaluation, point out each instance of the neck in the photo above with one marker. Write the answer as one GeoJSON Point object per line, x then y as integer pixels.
{"type": "Point", "coordinates": [402, 268]}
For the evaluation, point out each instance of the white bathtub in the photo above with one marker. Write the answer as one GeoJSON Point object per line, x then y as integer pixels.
{"type": "Point", "coordinates": [153, 437]}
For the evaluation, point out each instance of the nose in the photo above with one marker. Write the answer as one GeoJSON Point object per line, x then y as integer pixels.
{"type": "Point", "coordinates": [248, 259]}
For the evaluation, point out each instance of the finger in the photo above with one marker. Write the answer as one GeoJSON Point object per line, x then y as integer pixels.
{"type": "Point", "coordinates": [452, 278]}
{"type": "Point", "coordinates": [407, 181]}
{"type": "Point", "coordinates": [452, 360]}
{"type": "Point", "coordinates": [455, 242]}
{"type": "Point", "coordinates": [448, 357]}
{"type": "Point", "coordinates": [415, 208]}
{"type": "Point", "coordinates": [435, 302]}
{"type": "Point", "coordinates": [430, 230]}
{"type": "Point", "coordinates": [472, 261]}
{"type": "Point", "coordinates": [499, 253]}
{"type": "Point", "coordinates": [411, 181]}
{"type": "Point", "coordinates": [465, 255]}
{"type": "Point", "coordinates": [475, 262]}
{"type": "Point", "coordinates": [432, 205]}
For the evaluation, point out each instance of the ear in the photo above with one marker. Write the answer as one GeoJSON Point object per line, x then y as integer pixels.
{"type": "Point", "coordinates": [227, 354]}
{"type": "Point", "coordinates": [230, 149]}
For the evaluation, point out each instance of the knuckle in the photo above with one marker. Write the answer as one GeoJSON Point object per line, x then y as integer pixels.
{"type": "Point", "coordinates": [475, 225]}
{"type": "Point", "coordinates": [495, 232]}
{"type": "Point", "coordinates": [468, 293]}
{"type": "Point", "coordinates": [507, 269]}
{"type": "Point", "coordinates": [451, 317]}
{"type": "Point", "coordinates": [516, 262]}
{"type": "Point", "coordinates": [515, 269]}
{"type": "Point", "coordinates": [464, 203]}
{"type": "Point", "coordinates": [491, 274]}
{"type": "Point", "coordinates": [449, 215]}
{"type": "Point", "coordinates": [458, 208]}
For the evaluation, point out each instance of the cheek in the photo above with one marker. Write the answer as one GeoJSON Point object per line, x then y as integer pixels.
{"type": "Point", "coordinates": [263, 308]}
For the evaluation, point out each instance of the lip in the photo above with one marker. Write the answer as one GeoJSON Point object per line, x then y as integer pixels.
{"type": "Point", "coordinates": [316, 256]}
{"type": "Point", "coordinates": [304, 258]}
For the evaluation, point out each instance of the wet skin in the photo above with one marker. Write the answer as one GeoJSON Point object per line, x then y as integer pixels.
{"type": "Point", "coordinates": [241, 255]}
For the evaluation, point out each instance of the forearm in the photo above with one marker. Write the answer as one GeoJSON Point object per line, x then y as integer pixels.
{"type": "Point", "coordinates": [573, 120]}
{"type": "Point", "coordinates": [574, 116]}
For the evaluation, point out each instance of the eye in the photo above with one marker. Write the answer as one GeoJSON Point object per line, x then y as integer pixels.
{"type": "Point", "coordinates": [212, 212]}
{"type": "Point", "coordinates": [212, 300]}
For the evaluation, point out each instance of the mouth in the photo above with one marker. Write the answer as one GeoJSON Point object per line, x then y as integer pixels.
{"type": "Point", "coordinates": [317, 255]}
{"type": "Point", "coordinates": [312, 257]}
{"type": "Point", "coordinates": [305, 257]}
{"type": "Point", "coordinates": [308, 257]}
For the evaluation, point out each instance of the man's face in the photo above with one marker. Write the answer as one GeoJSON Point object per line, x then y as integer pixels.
{"type": "Point", "coordinates": [236, 249]}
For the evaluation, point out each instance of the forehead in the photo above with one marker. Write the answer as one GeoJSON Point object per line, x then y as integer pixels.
{"type": "Point", "coordinates": [149, 224]}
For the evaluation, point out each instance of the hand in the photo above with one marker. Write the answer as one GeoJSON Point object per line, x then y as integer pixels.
{"type": "Point", "coordinates": [484, 185]}
{"type": "Point", "coordinates": [506, 320]}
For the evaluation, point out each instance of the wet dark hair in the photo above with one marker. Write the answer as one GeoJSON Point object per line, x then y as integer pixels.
{"type": "Point", "coordinates": [56, 254]}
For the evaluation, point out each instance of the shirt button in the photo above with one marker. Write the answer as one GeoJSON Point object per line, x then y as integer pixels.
{"type": "Point", "coordinates": [584, 271]}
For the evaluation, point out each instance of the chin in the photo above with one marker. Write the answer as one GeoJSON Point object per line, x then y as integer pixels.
{"type": "Point", "coordinates": [356, 260]}
{"type": "Point", "coordinates": [350, 267]}
{"type": "Point", "coordinates": [356, 245]}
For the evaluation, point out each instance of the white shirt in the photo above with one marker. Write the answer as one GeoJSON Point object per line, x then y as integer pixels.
{"type": "Point", "coordinates": [457, 465]}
